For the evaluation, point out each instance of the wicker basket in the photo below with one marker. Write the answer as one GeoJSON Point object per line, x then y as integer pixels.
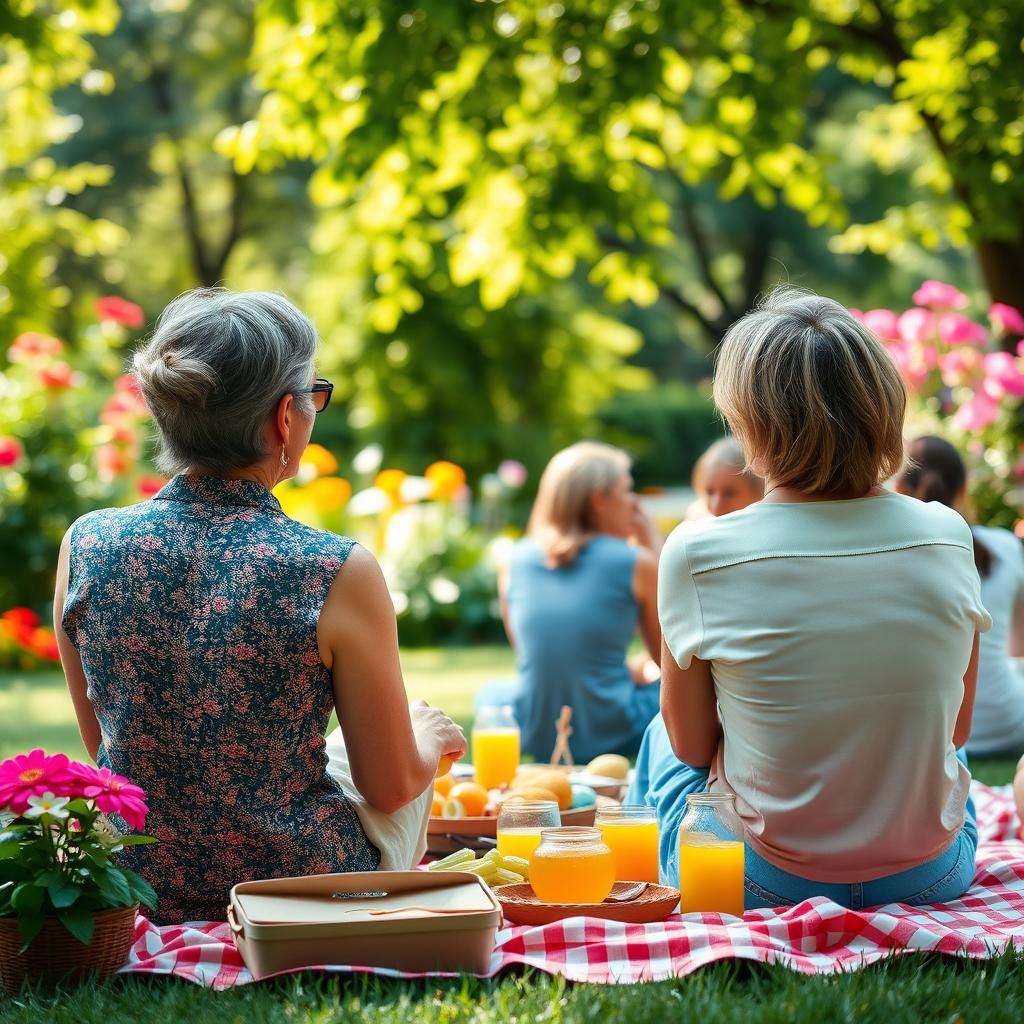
{"type": "Point", "coordinates": [55, 954]}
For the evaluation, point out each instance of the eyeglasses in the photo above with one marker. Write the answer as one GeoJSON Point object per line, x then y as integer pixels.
{"type": "Point", "coordinates": [321, 392]}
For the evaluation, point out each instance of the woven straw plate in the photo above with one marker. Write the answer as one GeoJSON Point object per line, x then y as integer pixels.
{"type": "Point", "coordinates": [521, 906]}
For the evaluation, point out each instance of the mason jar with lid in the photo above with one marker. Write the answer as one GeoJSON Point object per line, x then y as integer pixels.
{"type": "Point", "coordinates": [572, 865]}
{"type": "Point", "coordinates": [520, 823]}
{"type": "Point", "coordinates": [711, 855]}
{"type": "Point", "coordinates": [631, 832]}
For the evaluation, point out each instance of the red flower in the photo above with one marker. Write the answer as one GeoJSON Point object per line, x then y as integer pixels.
{"type": "Point", "coordinates": [150, 485]}
{"type": "Point", "coordinates": [121, 311]}
{"type": "Point", "coordinates": [129, 385]}
{"type": "Point", "coordinates": [10, 451]}
{"type": "Point", "coordinates": [112, 462]}
{"type": "Point", "coordinates": [56, 375]}
{"type": "Point", "coordinates": [33, 345]}
{"type": "Point", "coordinates": [44, 645]}
{"type": "Point", "coordinates": [22, 617]}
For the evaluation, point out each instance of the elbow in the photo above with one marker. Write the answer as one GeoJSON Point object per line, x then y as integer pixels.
{"type": "Point", "coordinates": [392, 795]}
{"type": "Point", "coordinates": [695, 754]}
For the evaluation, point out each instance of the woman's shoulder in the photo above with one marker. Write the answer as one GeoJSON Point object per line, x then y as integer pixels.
{"type": "Point", "coordinates": [1004, 543]}
{"type": "Point", "coordinates": [301, 539]}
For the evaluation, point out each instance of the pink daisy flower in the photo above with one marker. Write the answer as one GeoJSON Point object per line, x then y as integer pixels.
{"type": "Point", "coordinates": [33, 774]}
{"type": "Point", "coordinates": [113, 794]}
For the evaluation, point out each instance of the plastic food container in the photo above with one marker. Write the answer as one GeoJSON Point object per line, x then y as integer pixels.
{"type": "Point", "coordinates": [407, 920]}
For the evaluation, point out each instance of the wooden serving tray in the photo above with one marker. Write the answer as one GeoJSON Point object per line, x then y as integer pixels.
{"type": "Point", "coordinates": [488, 826]}
{"type": "Point", "coordinates": [521, 906]}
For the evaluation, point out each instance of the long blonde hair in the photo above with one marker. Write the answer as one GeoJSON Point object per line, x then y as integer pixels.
{"type": "Point", "coordinates": [560, 519]}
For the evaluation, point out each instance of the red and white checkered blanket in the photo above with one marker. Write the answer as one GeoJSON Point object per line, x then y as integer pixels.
{"type": "Point", "coordinates": [816, 936]}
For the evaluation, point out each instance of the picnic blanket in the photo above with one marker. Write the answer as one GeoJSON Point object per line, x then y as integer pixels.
{"type": "Point", "coordinates": [815, 936]}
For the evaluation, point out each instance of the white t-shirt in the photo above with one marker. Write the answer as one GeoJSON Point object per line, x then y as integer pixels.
{"type": "Point", "coordinates": [838, 634]}
{"type": "Point", "coordinates": [998, 723]}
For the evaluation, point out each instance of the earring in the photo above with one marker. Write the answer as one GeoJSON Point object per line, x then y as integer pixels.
{"type": "Point", "coordinates": [284, 458]}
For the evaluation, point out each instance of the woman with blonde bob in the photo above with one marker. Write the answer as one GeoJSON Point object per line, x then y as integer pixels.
{"type": "Point", "coordinates": [573, 592]}
{"type": "Point", "coordinates": [820, 646]}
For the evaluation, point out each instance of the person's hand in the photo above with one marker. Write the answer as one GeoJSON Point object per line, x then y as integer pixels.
{"type": "Point", "coordinates": [642, 529]}
{"type": "Point", "coordinates": [434, 725]}
{"type": "Point", "coordinates": [643, 669]}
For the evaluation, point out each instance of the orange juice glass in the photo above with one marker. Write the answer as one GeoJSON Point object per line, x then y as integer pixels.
{"type": "Point", "coordinates": [571, 865]}
{"type": "Point", "coordinates": [520, 823]}
{"type": "Point", "coordinates": [631, 833]}
{"type": "Point", "coordinates": [495, 747]}
{"type": "Point", "coordinates": [711, 856]}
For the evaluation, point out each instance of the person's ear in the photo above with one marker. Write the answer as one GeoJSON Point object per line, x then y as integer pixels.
{"type": "Point", "coordinates": [283, 418]}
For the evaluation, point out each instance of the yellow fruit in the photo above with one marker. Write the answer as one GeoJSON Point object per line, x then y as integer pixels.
{"type": "Point", "coordinates": [555, 781]}
{"type": "Point", "coordinates": [437, 806]}
{"type": "Point", "coordinates": [611, 766]}
{"type": "Point", "coordinates": [471, 796]}
{"type": "Point", "coordinates": [443, 784]}
{"type": "Point", "coordinates": [444, 766]}
{"type": "Point", "coordinates": [530, 793]}
{"type": "Point", "coordinates": [453, 809]}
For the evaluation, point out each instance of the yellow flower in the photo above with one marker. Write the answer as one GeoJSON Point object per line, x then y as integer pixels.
{"type": "Point", "coordinates": [317, 456]}
{"type": "Point", "coordinates": [330, 493]}
{"type": "Point", "coordinates": [447, 478]}
{"type": "Point", "coordinates": [390, 482]}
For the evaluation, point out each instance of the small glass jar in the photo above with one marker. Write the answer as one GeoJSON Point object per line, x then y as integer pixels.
{"type": "Point", "coordinates": [572, 865]}
{"type": "Point", "coordinates": [631, 833]}
{"type": "Point", "coordinates": [711, 855]}
{"type": "Point", "coordinates": [520, 823]}
{"type": "Point", "coordinates": [495, 746]}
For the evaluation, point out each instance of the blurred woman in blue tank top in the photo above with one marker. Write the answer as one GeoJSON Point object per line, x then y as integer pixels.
{"type": "Point", "coordinates": [574, 592]}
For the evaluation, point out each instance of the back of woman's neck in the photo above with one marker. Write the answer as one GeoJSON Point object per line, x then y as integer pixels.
{"type": "Point", "coordinates": [780, 493]}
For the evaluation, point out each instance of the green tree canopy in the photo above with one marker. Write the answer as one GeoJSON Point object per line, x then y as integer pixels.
{"type": "Point", "coordinates": [504, 145]}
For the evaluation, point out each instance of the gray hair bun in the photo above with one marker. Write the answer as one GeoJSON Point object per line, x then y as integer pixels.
{"type": "Point", "coordinates": [214, 371]}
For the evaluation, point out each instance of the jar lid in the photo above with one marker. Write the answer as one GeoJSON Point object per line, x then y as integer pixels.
{"type": "Point", "coordinates": [627, 812]}
{"type": "Point", "coordinates": [571, 834]}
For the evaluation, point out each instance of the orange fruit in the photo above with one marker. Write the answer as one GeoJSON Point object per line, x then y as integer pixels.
{"type": "Point", "coordinates": [530, 793]}
{"type": "Point", "coordinates": [436, 805]}
{"type": "Point", "coordinates": [546, 778]}
{"type": "Point", "coordinates": [443, 784]}
{"type": "Point", "coordinates": [444, 766]}
{"type": "Point", "coordinates": [471, 796]}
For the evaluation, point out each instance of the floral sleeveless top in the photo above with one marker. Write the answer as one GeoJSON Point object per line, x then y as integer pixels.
{"type": "Point", "coordinates": [195, 617]}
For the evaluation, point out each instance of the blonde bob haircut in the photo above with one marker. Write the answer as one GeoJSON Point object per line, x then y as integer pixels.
{"type": "Point", "coordinates": [812, 395]}
{"type": "Point", "coordinates": [560, 518]}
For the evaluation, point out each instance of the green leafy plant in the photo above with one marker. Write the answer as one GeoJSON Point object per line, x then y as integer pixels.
{"type": "Point", "coordinates": [56, 847]}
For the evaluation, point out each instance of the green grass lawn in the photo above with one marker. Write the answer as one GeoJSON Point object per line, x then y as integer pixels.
{"type": "Point", "coordinates": [35, 711]}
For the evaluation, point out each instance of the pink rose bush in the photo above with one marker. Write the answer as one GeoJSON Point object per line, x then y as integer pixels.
{"type": "Point", "coordinates": [56, 848]}
{"type": "Point", "coordinates": [966, 381]}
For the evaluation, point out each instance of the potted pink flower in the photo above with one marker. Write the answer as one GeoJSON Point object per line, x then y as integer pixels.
{"type": "Point", "coordinates": [65, 908]}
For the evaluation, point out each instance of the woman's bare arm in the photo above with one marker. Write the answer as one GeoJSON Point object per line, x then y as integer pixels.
{"type": "Point", "coordinates": [690, 710]}
{"type": "Point", "coordinates": [645, 590]}
{"type": "Point", "coordinates": [88, 726]}
{"type": "Point", "coordinates": [393, 749]}
{"type": "Point", "coordinates": [503, 571]}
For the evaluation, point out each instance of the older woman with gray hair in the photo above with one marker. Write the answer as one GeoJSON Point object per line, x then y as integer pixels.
{"type": "Point", "coordinates": [206, 637]}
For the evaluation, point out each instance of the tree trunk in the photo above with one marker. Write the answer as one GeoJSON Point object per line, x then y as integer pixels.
{"type": "Point", "coordinates": [1002, 266]}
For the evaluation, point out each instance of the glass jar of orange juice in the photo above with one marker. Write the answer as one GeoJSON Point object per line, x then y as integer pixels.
{"type": "Point", "coordinates": [631, 832]}
{"type": "Point", "coordinates": [572, 865]}
{"type": "Point", "coordinates": [711, 855]}
{"type": "Point", "coordinates": [520, 823]}
{"type": "Point", "coordinates": [495, 746]}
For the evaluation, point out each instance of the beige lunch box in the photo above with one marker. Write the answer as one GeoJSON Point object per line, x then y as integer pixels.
{"type": "Point", "coordinates": [412, 921]}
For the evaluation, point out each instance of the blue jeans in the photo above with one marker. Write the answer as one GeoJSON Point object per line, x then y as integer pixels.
{"type": "Point", "coordinates": [663, 781]}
